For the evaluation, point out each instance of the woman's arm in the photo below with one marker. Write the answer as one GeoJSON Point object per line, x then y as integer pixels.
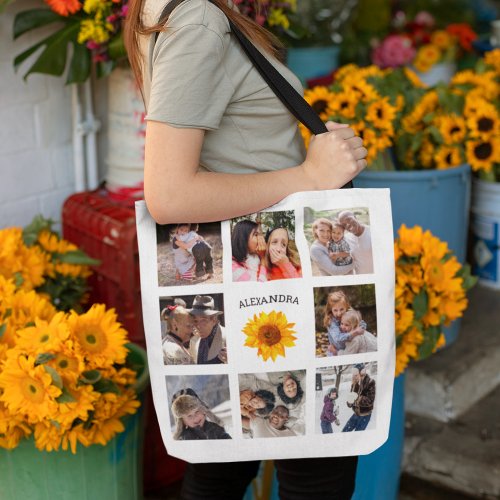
{"type": "Point", "coordinates": [324, 262]}
{"type": "Point", "coordinates": [175, 190]}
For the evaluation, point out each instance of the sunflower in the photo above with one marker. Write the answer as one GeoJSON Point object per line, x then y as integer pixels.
{"type": "Point", "coordinates": [48, 435]}
{"type": "Point", "coordinates": [365, 90]}
{"type": "Point", "coordinates": [28, 389]}
{"type": "Point", "coordinates": [492, 58]}
{"type": "Point", "coordinates": [452, 128]}
{"type": "Point", "coordinates": [429, 53]}
{"type": "Point", "coordinates": [306, 134]}
{"type": "Point", "coordinates": [410, 240]}
{"type": "Point", "coordinates": [345, 70]}
{"type": "Point", "coordinates": [99, 336]}
{"type": "Point", "coordinates": [441, 39]}
{"type": "Point", "coordinates": [343, 104]}
{"type": "Point", "coordinates": [44, 336]}
{"type": "Point", "coordinates": [426, 153]}
{"type": "Point", "coordinates": [448, 156]}
{"type": "Point", "coordinates": [270, 333]}
{"type": "Point", "coordinates": [84, 398]}
{"type": "Point", "coordinates": [484, 123]}
{"type": "Point", "coordinates": [404, 319]}
{"type": "Point", "coordinates": [483, 153]}
{"type": "Point", "coordinates": [413, 78]}
{"type": "Point", "coordinates": [319, 98]}
{"type": "Point", "coordinates": [12, 428]}
{"type": "Point", "coordinates": [381, 113]}
{"type": "Point", "coordinates": [68, 362]}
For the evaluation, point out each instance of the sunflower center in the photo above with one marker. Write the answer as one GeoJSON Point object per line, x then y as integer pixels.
{"type": "Point", "coordinates": [485, 124]}
{"type": "Point", "coordinates": [344, 105]}
{"type": "Point", "coordinates": [380, 113]}
{"type": "Point", "coordinates": [454, 129]}
{"type": "Point", "coordinates": [63, 363]}
{"type": "Point", "coordinates": [44, 338]}
{"type": "Point", "coordinates": [32, 390]}
{"type": "Point", "coordinates": [93, 340]}
{"type": "Point", "coordinates": [483, 150]}
{"type": "Point", "coordinates": [449, 158]}
{"type": "Point", "coordinates": [319, 106]}
{"type": "Point", "coordinates": [269, 334]}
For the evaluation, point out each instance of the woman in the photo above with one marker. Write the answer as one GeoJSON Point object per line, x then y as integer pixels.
{"type": "Point", "coordinates": [292, 396]}
{"type": "Point", "coordinates": [180, 325]}
{"type": "Point", "coordinates": [322, 232]}
{"type": "Point", "coordinates": [281, 260]}
{"type": "Point", "coordinates": [219, 145]}
{"type": "Point", "coordinates": [247, 245]}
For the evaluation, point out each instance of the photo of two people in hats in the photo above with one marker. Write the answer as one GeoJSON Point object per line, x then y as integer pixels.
{"type": "Point", "coordinates": [193, 330]}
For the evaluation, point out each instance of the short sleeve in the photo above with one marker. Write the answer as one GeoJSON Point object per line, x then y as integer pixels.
{"type": "Point", "coordinates": [189, 84]}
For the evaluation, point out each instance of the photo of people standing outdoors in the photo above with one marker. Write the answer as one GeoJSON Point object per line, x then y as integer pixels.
{"type": "Point", "coordinates": [189, 254]}
{"type": "Point", "coordinates": [263, 247]}
{"type": "Point", "coordinates": [346, 321]}
{"type": "Point", "coordinates": [340, 241]}
{"type": "Point", "coordinates": [345, 398]}
{"type": "Point", "coordinates": [272, 404]}
{"type": "Point", "coordinates": [199, 406]}
{"type": "Point", "coordinates": [193, 330]}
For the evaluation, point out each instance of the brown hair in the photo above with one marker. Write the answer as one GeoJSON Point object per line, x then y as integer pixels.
{"type": "Point", "coordinates": [334, 298]}
{"type": "Point", "coordinates": [291, 252]}
{"type": "Point", "coordinates": [134, 28]}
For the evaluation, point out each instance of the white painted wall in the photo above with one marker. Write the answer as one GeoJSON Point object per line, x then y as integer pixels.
{"type": "Point", "coordinates": [36, 163]}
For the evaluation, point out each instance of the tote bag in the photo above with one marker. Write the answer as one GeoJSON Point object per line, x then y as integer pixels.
{"type": "Point", "coordinates": [271, 336]}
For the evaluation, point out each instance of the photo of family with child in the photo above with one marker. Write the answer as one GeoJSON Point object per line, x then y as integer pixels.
{"type": "Point", "coordinates": [345, 398]}
{"type": "Point", "coordinates": [199, 406]}
{"type": "Point", "coordinates": [346, 320]}
{"type": "Point", "coordinates": [188, 254]}
{"type": "Point", "coordinates": [340, 241]}
{"type": "Point", "coordinates": [272, 404]}
{"type": "Point", "coordinates": [192, 330]}
{"type": "Point", "coordinates": [263, 247]}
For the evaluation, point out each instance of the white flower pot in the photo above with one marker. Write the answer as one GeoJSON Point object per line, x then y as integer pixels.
{"type": "Point", "coordinates": [439, 73]}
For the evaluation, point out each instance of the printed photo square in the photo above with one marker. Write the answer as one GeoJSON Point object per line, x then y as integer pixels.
{"type": "Point", "coordinates": [263, 247]}
{"type": "Point", "coordinates": [346, 320]}
{"type": "Point", "coordinates": [272, 404]}
{"type": "Point", "coordinates": [199, 406]}
{"type": "Point", "coordinates": [192, 329]}
{"type": "Point", "coordinates": [340, 241]}
{"type": "Point", "coordinates": [345, 398]}
{"type": "Point", "coordinates": [189, 254]}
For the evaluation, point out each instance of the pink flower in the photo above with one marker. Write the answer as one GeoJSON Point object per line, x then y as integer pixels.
{"type": "Point", "coordinates": [424, 18]}
{"type": "Point", "coordinates": [395, 50]}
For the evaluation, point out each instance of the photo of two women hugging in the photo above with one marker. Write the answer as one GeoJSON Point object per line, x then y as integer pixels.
{"type": "Point", "coordinates": [263, 247]}
{"type": "Point", "coordinates": [272, 404]}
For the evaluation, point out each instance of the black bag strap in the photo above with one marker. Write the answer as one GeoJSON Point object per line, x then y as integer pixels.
{"type": "Point", "coordinates": [294, 102]}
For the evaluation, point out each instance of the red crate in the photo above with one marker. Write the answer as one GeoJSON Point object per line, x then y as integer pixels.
{"type": "Point", "coordinates": [105, 230]}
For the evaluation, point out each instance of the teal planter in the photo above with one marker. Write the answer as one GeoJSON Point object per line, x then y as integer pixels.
{"type": "Point", "coordinates": [438, 200]}
{"type": "Point", "coordinates": [312, 62]}
{"type": "Point", "coordinates": [111, 472]}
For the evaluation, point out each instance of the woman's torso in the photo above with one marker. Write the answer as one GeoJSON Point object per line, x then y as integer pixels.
{"type": "Point", "coordinates": [197, 76]}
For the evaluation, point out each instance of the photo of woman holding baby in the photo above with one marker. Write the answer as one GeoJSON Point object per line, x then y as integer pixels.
{"type": "Point", "coordinates": [263, 247]}
{"type": "Point", "coordinates": [345, 320]}
{"type": "Point", "coordinates": [340, 241]}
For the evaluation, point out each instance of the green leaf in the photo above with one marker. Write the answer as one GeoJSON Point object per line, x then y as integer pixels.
{"type": "Point", "coordinates": [3, 327]}
{"type": "Point", "coordinates": [43, 358]}
{"type": "Point", "coordinates": [35, 227]}
{"type": "Point", "coordinates": [88, 423]}
{"type": "Point", "coordinates": [468, 279]}
{"type": "Point", "coordinates": [116, 48]}
{"type": "Point", "coordinates": [90, 377]}
{"type": "Point", "coordinates": [106, 385]}
{"type": "Point", "coordinates": [420, 304]}
{"type": "Point", "coordinates": [79, 68]}
{"type": "Point", "coordinates": [431, 336]}
{"type": "Point", "coordinates": [435, 134]}
{"type": "Point", "coordinates": [76, 257]}
{"type": "Point", "coordinates": [8, 313]}
{"type": "Point", "coordinates": [56, 378]}
{"type": "Point", "coordinates": [18, 279]}
{"type": "Point", "coordinates": [65, 397]}
{"type": "Point", "coordinates": [35, 18]}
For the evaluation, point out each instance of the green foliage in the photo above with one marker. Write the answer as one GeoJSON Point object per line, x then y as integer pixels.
{"type": "Point", "coordinates": [66, 292]}
{"type": "Point", "coordinates": [65, 397]}
{"type": "Point", "coordinates": [272, 220]}
{"type": "Point", "coordinates": [43, 358]}
{"type": "Point", "coordinates": [56, 378]}
{"type": "Point", "coordinates": [34, 228]}
{"type": "Point", "coordinates": [420, 304]}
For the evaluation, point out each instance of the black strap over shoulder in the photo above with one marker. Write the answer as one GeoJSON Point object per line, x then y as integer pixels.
{"type": "Point", "coordinates": [294, 102]}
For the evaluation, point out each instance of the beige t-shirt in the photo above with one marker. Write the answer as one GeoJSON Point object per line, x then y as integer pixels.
{"type": "Point", "coordinates": [197, 76]}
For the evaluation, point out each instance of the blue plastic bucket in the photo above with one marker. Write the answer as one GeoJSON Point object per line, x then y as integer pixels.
{"type": "Point", "coordinates": [438, 200]}
{"type": "Point", "coordinates": [312, 62]}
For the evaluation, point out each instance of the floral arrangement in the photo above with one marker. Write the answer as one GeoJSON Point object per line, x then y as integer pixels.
{"type": "Point", "coordinates": [64, 377]}
{"type": "Point", "coordinates": [371, 100]}
{"type": "Point", "coordinates": [431, 290]}
{"type": "Point", "coordinates": [419, 43]}
{"type": "Point", "coordinates": [92, 27]}
{"type": "Point", "coordinates": [274, 14]}
{"type": "Point", "coordinates": [36, 258]}
{"type": "Point", "coordinates": [449, 125]}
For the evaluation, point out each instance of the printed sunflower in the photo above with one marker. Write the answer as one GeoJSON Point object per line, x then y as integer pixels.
{"type": "Point", "coordinates": [270, 334]}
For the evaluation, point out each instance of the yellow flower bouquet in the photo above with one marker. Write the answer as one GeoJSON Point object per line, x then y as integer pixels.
{"type": "Point", "coordinates": [457, 123]}
{"type": "Point", "coordinates": [371, 100]}
{"type": "Point", "coordinates": [431, 290]}
{"type": "Point", "coordinates": [64, 375]}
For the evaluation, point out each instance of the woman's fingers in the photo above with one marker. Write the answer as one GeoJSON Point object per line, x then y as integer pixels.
{"type": "Point", "coordinates": [360, 153]}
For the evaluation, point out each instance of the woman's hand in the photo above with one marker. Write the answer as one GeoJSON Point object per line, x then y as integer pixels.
{"type": "Point", "coordinates": [278, 258]}
{"type": "Point", "coordinates": [334, 157]}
